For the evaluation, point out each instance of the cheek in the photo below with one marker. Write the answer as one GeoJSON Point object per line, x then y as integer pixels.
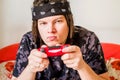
{"type": "Point", "coordinates": [64, 33]}
{"type": "Point", "coordinates": [42, 33]}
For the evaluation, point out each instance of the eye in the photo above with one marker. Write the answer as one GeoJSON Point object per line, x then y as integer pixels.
{"type": "Point", "coordinates": [59, 21]}
{"type": "Point", "coordinates": [42, 23]}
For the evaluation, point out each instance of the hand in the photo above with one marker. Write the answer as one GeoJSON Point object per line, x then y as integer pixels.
{"type": "Point", "coordinates": [73, 57]}
{"type": "Point", "coordinates": [37, 61]}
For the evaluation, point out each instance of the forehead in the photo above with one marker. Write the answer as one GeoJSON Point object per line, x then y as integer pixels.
{"type": "Point", "coordinates": [52, 18]}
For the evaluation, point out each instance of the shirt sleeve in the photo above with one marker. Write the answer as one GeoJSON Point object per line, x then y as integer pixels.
{"type": "Point", "coordinates": [22, 55]}
{"type": "Point", "coordinates": [93, 53]}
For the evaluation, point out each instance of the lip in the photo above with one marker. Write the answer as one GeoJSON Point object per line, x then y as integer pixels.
{"type": "Point", "coordinates": [51, 38]}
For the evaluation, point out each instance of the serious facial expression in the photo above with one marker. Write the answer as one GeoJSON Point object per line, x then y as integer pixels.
{"type": "Point", "coordinates": [53, 30]}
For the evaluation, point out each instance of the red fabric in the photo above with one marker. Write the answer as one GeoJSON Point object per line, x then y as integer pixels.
{"type": "Point", "coordinates": [8, 52]}
{"type": "Point", "coordinates": [111, 50]}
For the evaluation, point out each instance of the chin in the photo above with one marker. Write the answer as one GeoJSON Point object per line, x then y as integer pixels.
{"type": "Point", "coordinates": [53, 43]}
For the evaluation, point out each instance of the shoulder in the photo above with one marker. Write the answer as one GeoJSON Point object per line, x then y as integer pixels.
{"type": "Point", "coordinates": [28, 35]}
{"type": "Point", "coordinates": [27, 40]}
{"type": "Point", "coordinates": [83, 36]}
{"type": "Point", "coordinates": [82, 32]}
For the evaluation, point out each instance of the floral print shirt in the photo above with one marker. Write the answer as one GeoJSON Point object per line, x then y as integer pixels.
{"type": "Point", "coordinates": [57, 70]}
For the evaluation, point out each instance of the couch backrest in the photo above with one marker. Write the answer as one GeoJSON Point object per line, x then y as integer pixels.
{"type": "Point", "coordinates": [8, 52]}
{"type": "Point", "coordinates": [111, 50]}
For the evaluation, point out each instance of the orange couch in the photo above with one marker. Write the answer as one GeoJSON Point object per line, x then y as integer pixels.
{"type": "Point", "coordinates": [111, 53]}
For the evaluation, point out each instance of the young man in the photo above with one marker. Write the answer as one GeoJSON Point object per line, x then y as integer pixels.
{"type": "Point", "coordinates": [53, 26]}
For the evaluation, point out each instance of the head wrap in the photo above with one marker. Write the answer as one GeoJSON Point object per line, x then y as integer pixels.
{"type": "Point", "coordinates": [50, 9]}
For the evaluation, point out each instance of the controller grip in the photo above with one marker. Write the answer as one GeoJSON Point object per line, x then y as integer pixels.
{"type": "Point", "coordinates": [53, 50]}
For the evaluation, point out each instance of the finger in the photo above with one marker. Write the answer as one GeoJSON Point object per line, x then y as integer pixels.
{"type": "Point", "coordinates": [37, 53]}
{"type": "Point", "coordinates": [43, 46]}
{"type": "Point", "coordinates": [37, 59]}
{"type": "Point", "coordinates": [71, 61]}
{"type": "Point", "coordinates": [43, 65]}
{"type": "Point", "coordinates": [58, 44]}
{"type": "Point", "coordinates": [70, 49]}
{"type": "Point", "coordinates": [46, 63]}
{"type": "Point", "coordinates": [35, 66]}
{"type": "Point", "coordinates": [68, 56]}
{"type": "Point", "coordinates": [74, 66]}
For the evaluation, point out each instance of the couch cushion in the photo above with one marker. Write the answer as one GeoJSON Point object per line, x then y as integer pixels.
{"type": "Point", "coordinates": [112, 56]}
{"type": "Point", "coordinates": [8, 52]}
{"type": "Point", "coordinates": [6, 69]}
{"type": "Point", "coordinates": [111, 50]}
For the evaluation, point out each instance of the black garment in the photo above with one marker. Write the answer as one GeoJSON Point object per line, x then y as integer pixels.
{"type": "Point", "coordinates": [86, 40]}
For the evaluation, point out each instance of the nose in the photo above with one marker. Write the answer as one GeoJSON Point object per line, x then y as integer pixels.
{"type": "Point", "coordinates": [51, 28]}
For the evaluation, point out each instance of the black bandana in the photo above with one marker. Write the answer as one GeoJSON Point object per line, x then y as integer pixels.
{"type": "Point", "coordinates": [50, 9]}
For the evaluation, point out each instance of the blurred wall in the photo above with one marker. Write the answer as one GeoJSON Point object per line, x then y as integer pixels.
{"type": "Point", "coordinates": [100, 16]}
{"type": "Point", "coordinates": [15, 20]}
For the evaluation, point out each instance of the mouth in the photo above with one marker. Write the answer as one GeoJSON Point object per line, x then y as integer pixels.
{"type": "Point", "coordinates": [52, 38]}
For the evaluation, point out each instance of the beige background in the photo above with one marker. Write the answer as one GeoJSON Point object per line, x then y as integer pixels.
{"type": "Point", "coordinates": [100, 16]}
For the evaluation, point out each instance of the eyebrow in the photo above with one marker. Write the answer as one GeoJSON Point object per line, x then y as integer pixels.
{"type": "Point", "coordinates": [61, 17]}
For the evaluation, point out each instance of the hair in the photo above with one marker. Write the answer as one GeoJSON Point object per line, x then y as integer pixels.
{"type": "Point", "coordinates": [36, 35]}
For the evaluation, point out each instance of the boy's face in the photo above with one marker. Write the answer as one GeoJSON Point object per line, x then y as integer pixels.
{"type": "Point", "coordinates": [53, 30]}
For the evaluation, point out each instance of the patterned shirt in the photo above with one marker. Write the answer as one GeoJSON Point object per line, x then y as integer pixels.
{"type": "Point", "coordinates": [91, 51]}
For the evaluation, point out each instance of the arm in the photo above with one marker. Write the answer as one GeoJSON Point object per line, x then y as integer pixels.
{"type": "Point", "coordinates": [37, 61]}
{"type": "Point", "coordinates": [27, 59]}
{"type": "Point", "coordinates": [94, 67]}
{"type": "Point", "coordinates": [22, 57]}
{"type": "Point", "coordinates": [25, 75]}
{"type": "Point", "coordinates": [88, 59]}
{"type": "Point", "coordinates": [87, 73]}
{"type": "Point", "coordinates": [73, 59]}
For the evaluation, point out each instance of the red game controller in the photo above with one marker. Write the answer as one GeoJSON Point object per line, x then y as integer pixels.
{"type": "Point", "coordinates": [53, 50]}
